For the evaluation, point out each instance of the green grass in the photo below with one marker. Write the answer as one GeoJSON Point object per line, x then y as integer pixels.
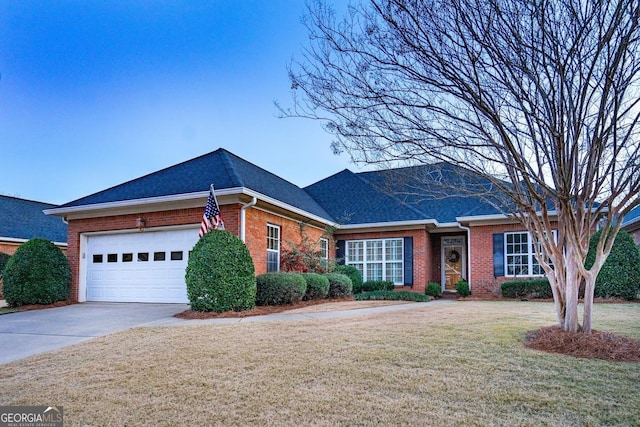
{"type": "Point", "coordinates": [457, 364]}
{"type": "Point", "coordinates": [7, 310]}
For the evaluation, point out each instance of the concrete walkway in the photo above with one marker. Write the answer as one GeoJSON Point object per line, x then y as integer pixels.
{"type": "Point", "coordinates": [28, 333]}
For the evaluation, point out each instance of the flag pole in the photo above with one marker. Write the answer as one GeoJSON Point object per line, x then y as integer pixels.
{"type": "Point", "coordinates": [220, 226]}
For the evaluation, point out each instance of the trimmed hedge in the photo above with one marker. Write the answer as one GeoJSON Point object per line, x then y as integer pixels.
{"type": "Point", "coordinates": [3, 261]}
{"type": "Point", "coordinates": [374, 285]}
{"type": "Point", "coordinates": [620, 274]}
{"type": "Point", "coordinates": [392, 296]}
{"type": "Point", "coordinates": [339, 285]}
{"type": "Point", "coordinates": [317, 286]}
{"type": "Point", "coordinates": [220, 274]}
{"type": "Point", "coordinates": [433, 289]}
{"type": "Point", "coordinates": [462, 287]}
{"type": "Point", "coordinates": [532, 288]}
{"type": "Point", "coordinates": [352, 273]}
{"type": "Point", "coordinates": [38, 273]}
{"type": "Point", "coordinates": [280, 288]}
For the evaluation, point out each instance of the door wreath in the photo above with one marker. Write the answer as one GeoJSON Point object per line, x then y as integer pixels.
{"type": "Point", "coordinates": [453, 256]}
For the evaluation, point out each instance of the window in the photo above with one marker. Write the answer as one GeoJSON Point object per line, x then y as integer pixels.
{"type": "Point", "coordinates": [176, 255]}
{"type": "Point", "coordinates": [112, 257]}
{"type": "Point", "coordinates": [377, 259]}
{"type": "Point", "coordinates": [324, 252]}
{"type": "Point", "coordinates": [520, 255]}
{"type": "Point", "coordinates": [159, 256]}
{"type": "Point", "coordinates": [273, 248]}
{"type": "Point", "coordinates": [128, 257]}
{"type": "Point", "coordinates": [143, 256]}
{"type": "Point", "coordinates": [97, 258]}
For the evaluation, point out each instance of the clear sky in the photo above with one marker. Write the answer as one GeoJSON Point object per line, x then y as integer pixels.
{"type": "Point", "coordinates": [96, 93]}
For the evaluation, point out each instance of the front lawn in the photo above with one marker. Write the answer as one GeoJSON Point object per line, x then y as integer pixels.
{"type": "Point", "coordinates": [452, 364]}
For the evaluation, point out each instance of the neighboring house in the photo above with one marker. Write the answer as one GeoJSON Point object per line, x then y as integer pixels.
{"type": "Point", "coordinates": [22, 220]}
{"type": "Point", "coordinates": [631, 224]}
{"type": "Point", "coordinates": [131, 242]}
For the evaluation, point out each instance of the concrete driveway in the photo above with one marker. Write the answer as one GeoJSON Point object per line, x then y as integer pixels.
{"type": "Point", "coordinates": [27, 333]}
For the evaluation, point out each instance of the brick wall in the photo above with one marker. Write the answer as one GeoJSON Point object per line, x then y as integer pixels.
{"type": "Point", "coordinates": [483, 282]}
{"type": "Point", "coordinates": [290, 233]}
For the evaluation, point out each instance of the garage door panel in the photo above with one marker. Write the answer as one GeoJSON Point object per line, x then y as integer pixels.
{"type": "Point", "coordinates": [133, 275]}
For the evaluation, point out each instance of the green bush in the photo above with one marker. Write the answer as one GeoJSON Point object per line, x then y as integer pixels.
{"type": "Point", "coordinates": [462, 287]}
{"type": "Point", "coordinates": [339, 285]}
{"type": "Point", "coordinates": [38, 273]}
{"type": "Point", "coordinates": [220, 274]}
{"type": "Point", "coordinates": [3, 261]}
{"type": "Point", "coordinates": [352, 273]}
{"type": "Point", "coordinates": [620, 274]}
{"type": "Point", "coordinates": [533, 288]}
{"type": "Point", "coordinates": [317, 286]}
{"type": "Point", "coordinates": [280, 288]}
{"type": "Point", "coordinates": [433, 289]}
{"type": "Point", "coordinates": [374, 285]}
{"type": "Point", "coordinates": [392, 296]}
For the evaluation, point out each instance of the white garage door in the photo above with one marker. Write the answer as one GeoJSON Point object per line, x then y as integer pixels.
{"type": "Point", "coordinates": [139, 267]}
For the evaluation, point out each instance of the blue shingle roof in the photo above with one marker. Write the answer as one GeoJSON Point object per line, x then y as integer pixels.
{"type": "Point", "coordinates": [403, 194]}
{"type": "Point", "coordinates": [24, 219]}
{"type": "Point", "coordinates": [631, 216]}
{"type": "Point", "coordinates": [221, 168]}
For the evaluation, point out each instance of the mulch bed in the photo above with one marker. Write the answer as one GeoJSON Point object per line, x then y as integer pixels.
{"type": "Point", "coordinates": [257, 310]}
{"type": "Point", "coordinates": [596, 345]}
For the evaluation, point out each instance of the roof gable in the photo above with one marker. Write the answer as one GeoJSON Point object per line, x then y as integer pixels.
{"type": "Point", "coordinates": [223, 169]}
{"type": "Point", "coordinates": [24, 219]}
{"type": "Point", "coordinates": [401, 194]}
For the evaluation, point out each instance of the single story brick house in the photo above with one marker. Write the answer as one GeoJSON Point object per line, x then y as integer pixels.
{"type": "Point", "coordinates": [23, 220]}
{"type": "Point", "coordinates": [131, 242]}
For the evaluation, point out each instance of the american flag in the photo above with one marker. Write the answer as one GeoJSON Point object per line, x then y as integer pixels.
{"type": "Point", "coordinates": [211, 220]}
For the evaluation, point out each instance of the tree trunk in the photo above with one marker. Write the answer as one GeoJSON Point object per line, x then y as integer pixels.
{"type": "Point", "coordinates": [589, 288]}
{"type": "Point", "coordinates": [572, 285]}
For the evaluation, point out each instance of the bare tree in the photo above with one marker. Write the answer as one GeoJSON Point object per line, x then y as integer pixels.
{"type": "Point", "coordinates": [539, 97]}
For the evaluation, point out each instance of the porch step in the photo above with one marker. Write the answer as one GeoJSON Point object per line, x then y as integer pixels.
{"type": "Point", "coordinates": [449, 295]}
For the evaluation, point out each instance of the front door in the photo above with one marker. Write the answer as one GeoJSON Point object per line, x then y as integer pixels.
{"type": "Point", "coordinates": [453, 262]}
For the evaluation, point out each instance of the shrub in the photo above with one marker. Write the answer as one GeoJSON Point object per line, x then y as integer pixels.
{"type": "Point", "coordinates": [374, 285]}
{"type": "Point", "coordinates": [433, 289]}
{"type": "Point", "coordinates": [38, 273]}
{"type": "Point", "coordinates": [317, 286]}
{"type": "Point", "coordinates": [280, 288]}
{"type": "Point", "coordinates": [352, 273]}
{"type": "Point", "coordinates": [533, 288]}
{"type": "Point", "coordinates": [3, 261]}
{"type": "Point", "coordinates": [393, 296]}
{"type": "Point", "coordinates": [339, 285]}
{"type": "Point", "coordinates": [220, 274]}
{"type": "Point", "coordinates": [462, 287]}
{"type": "Point", "coordinates": [620, 274]}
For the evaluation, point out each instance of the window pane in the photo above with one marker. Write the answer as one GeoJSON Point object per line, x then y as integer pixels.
{"type": "Point", "coordinates": [374, 271]}
{"type": "Point", "coordinates": [374, 251]}
{"type": "Point", "coordinates": [127, 257]}
{"type": "Point", "coordinates": [143, 256]}
{"type": "Point", "coordinates": [112, 257]}
{"type": "Point", "coordinates": [355, 252]}
{"type": "Point", "coordinates": [394, 272]}
{"type": "Point", "coordinates": [273, 263]}
{"type": "Point", "coordinates": [393, 250]}
{"type": "Point", "coordinates": [97, 258]}
{"type": "Point", "coordinates": [159, 256]}
{"type": "Point", "coordinates": [176, 256]}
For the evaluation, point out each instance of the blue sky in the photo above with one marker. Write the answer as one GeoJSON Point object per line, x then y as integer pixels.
{"type": "Point", "coordinates": [96, 93]}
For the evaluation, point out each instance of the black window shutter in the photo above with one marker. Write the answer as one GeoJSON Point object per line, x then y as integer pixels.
{"type": "Point", "coordinates": [408, 261]}
{"type": "Point", "coordinates": [498, 254]}
{"type": "Point", "coordinates": [340, 251]}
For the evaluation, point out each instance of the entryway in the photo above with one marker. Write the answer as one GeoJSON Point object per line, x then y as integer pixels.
{"type": "Point", "coordinates": [453, 262]}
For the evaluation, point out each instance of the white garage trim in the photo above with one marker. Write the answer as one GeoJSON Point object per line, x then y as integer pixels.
{"type": "Point", "coordinates": [130, 266]}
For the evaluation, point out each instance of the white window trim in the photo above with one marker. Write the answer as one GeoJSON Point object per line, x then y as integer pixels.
{"type": "Point", "coordinates": [384, 260]}
{"type": "Point", "coordinates": [276, 251]}
{"type": "Point", "coordinates": [530, 253]}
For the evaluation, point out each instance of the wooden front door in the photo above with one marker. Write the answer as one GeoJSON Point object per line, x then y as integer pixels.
{"type": "Point", "coordinates": [453, 262]}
